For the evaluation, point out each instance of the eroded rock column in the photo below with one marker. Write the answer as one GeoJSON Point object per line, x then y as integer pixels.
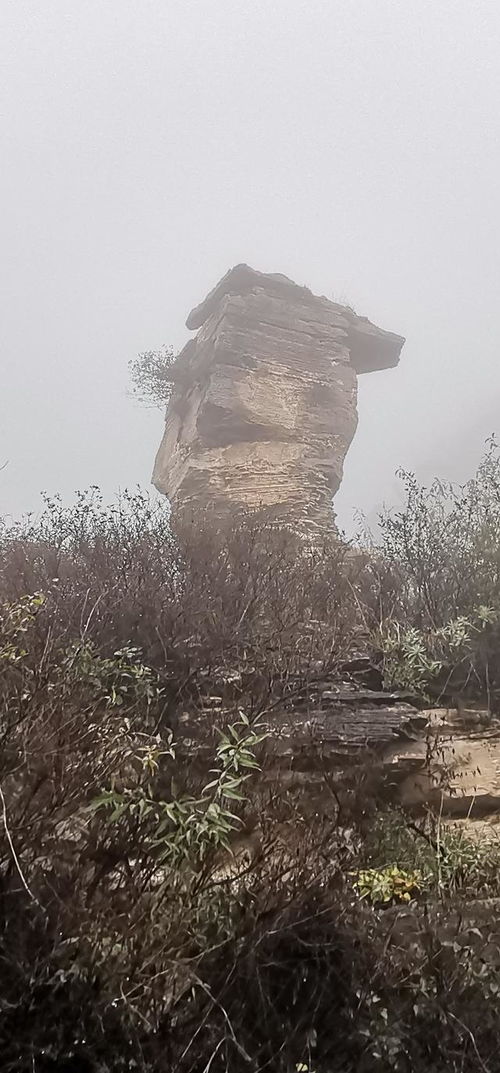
{"type": "Point", "coordinates": [263, 407]}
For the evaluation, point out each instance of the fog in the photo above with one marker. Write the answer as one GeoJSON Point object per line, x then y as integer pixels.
{"type": "Point", "coordinates": [148, 145]}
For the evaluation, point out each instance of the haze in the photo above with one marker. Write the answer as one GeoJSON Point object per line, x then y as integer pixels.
{"type": "Point", "coordinates": [149, 146]}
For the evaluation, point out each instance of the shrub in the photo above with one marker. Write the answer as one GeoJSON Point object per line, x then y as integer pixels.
{"type": "Point", "coordinates": [438, 574]}
{"type": "Point", "coordinates": [119, 814]}
{"type": "Point", "coordinates": [151, 375]}
{"type": "Point", "coordinates": [136, 666]}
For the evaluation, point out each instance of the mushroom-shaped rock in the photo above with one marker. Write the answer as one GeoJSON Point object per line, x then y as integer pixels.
{"type": "Point", "coordinates": [263, 406]}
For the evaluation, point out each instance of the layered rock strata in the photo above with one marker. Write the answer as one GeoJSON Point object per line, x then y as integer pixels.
{"type": "Point", "coordinates": [263, 405]}
{"type": "Point", "coordinates": [442, 760]}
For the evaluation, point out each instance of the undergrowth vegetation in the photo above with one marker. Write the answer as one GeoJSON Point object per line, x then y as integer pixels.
{"type": "Point", "coordinates": [166, 902]}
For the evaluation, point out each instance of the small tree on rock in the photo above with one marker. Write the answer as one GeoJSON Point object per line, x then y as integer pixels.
{"type": "Point", "coordinates": [151, 377]}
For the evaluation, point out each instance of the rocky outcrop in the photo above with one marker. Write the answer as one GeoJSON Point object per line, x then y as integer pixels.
{"type": "Point", "coordinates": [456, 769]}
{"type": "Point", "coordinates": [263, 406]}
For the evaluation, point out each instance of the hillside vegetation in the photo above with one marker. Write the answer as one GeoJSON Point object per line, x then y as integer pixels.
{"type": "Point", "coordinates": [132, 936]}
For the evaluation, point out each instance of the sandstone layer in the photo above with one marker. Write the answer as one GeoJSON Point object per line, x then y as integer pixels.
{"type": "Point", "coordinates": [445, 760]}
{"type": "Point", "coordinates": [263, 405]}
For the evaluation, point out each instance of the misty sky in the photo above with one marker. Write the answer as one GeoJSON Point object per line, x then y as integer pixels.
{"type": "Point", "coordinates": [148, 145]}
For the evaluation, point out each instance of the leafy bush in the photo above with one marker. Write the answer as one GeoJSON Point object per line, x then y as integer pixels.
{"type": "Point", "coordinates": [185, 829]}
{"type": "Point", "coordinates": [392, 884]}
{"type": "Point", "coordinates": [447, 860]}
{"type": "Point", "coordinates": [437, 578]}
{"type": "Point", "coordinates": [446, 541]}
{"type": "Point", "coordinates": [413, 658]}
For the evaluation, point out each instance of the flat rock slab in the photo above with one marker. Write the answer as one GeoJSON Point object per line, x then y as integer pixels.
{"type": "Point", "coordinates": [342, 734]}
{"type": "Point", "coordinates": [460, 773]}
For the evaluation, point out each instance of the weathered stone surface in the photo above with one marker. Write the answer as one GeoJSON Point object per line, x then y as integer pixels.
{"type": "Point", "coordinates": [345, 732]}
{"type": "Point", "coordinates": [429, 759]}
{"type": "Point", "coordinates": [461, 777]}
{"type": "Point", "coordinates": [445, 760]}
{"type": "Point", "coordinates": [327, 725]}
{"type": "Point", "coordinates": [263, 407]}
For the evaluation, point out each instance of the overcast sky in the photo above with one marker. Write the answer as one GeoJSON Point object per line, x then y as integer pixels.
{"type": "Point", "coordinates": [151, 144]}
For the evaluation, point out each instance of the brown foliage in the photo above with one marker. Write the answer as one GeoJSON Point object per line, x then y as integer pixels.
{"type": "Point", "coordinates": [114, 957]}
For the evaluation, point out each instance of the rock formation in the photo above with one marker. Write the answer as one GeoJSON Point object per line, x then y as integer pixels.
{"type": "Point", "coordinates": [263, 405]}
{"type": "Point", "coordinates": [446, 760]}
